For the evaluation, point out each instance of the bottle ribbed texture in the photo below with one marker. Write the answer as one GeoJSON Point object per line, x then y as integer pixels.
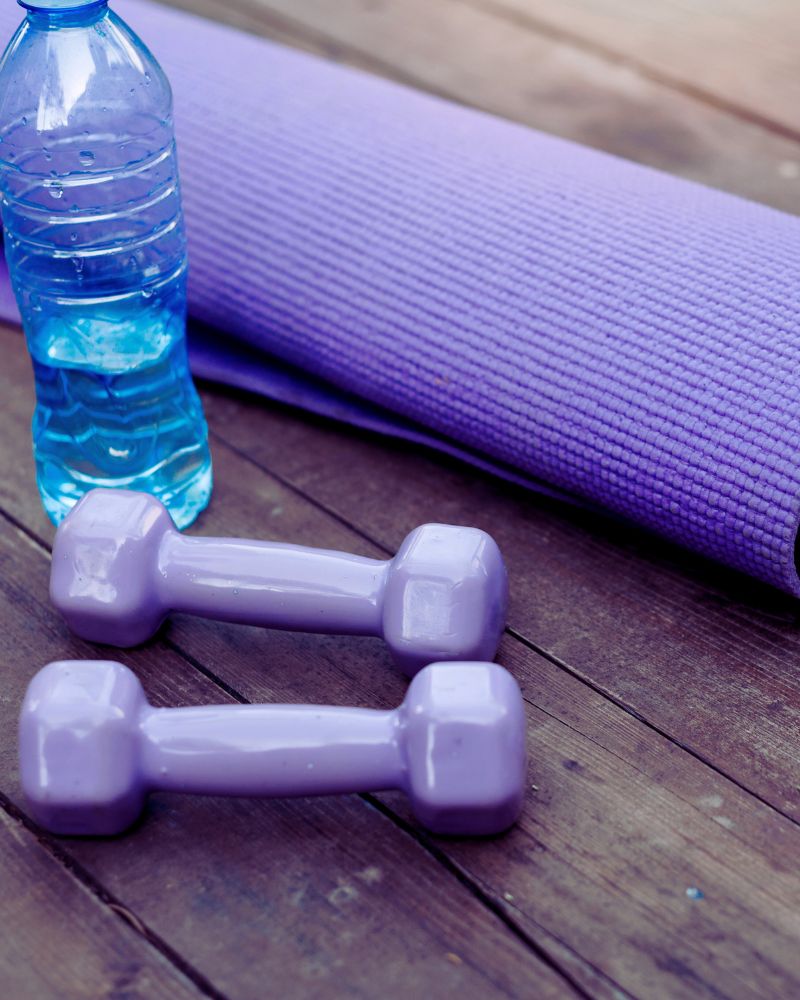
{"type": "Point", "coordinates": [628, 338]}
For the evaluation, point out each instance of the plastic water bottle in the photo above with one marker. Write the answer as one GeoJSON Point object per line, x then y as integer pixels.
{"type": "Point", "coordinates": [95, 243]}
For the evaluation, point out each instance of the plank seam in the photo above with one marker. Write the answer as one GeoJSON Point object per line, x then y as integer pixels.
{"type": "Point", "coordinates": [26, 531]}
{"type": "Point", "coordinates": [561, 665]}
{"type": "Point", "coordinates": [632, 764]}
{"type": "Point", "coordinates": [494, 906]}
{"type": "Point", "coordinates": [522, 19]}
{"type": "Point", "coordinates": [108, 900]}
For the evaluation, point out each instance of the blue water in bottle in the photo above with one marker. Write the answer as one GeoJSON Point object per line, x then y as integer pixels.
{"type": "Point", "coordinates": [95, 243]}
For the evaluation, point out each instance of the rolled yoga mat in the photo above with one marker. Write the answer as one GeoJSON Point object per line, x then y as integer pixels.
{"type": "Point", "coordinates": [588, 326]}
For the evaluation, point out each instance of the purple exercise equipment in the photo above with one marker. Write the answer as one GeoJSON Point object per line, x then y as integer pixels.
{"type": "Point", "coordinates": [580, 323]}
{"type": "Point", "coordinates": [120, 566]}
{"type": "Point", "coordinates": [92, 748]}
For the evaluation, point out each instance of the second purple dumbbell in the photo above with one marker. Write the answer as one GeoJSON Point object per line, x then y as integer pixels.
{"type": "Point", "coordinates": [120, 566]}
{"type": "Point", "coordinates": [92, 748]}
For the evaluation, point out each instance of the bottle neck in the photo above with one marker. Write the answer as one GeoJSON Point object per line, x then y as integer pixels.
{"type": "Point", "coordinates": [64, 13]}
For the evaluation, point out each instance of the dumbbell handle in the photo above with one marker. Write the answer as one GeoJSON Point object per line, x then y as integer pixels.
{"type": "Point", "coordinates": [279, 750]}
{"type": "Point", "coordinates": [272, 584]}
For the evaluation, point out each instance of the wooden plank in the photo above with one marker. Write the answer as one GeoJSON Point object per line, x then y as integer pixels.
{"type": "Point", "coordinates": [703, 654]}
{"type": "Point", "coordinates": [621, 822]}
{"type": "Point", "coordinates": [60, 940]}
{"type": "Point", "coordinates": [699, 45]}
{"type": "Point", "coordinates": [478, 56]}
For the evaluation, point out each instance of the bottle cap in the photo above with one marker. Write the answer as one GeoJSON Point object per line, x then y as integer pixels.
{"type": "Point", "coordinates": [58, 4]}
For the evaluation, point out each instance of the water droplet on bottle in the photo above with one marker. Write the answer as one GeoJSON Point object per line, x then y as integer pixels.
{"type": "Point", "coordinates": [47, 154]}
{"type": "Point", "coordinates": [146, 79]}
{"type": "Point", "coordinates": [73, 236]}
{"type": "Point", "coordinates": [24, 119]}
{"type": "Point", "coordinates": [147, 293]}
{"type": "Point", "coordinates": [86, 156]}
{"type": "Point", "coordinates": [78, 262]}
{"type": "Point", "coordinates": [55, 189]}
{"type": "Point", "coordinates": [132, 261]}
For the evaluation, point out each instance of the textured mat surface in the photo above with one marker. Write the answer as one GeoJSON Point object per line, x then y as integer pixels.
{"type": "Point", "coordinates": [627, 338]}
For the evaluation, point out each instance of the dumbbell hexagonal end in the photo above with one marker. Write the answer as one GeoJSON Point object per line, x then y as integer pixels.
{"type": "Point", "coordinates": [103, 578]}
{"type": "Point", "coordinates": [79, 748]}
{"type": "Point", "coordinates": [446, 597]}
{"type": "Point", "coordinates": [465, 748]}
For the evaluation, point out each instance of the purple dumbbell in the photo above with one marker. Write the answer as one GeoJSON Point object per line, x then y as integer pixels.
{"type": "Point", "coordinates": [91, 748]}
{"type": "Point", "coordinates": [120, 566]}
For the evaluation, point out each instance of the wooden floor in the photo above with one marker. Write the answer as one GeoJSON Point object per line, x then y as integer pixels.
{"type": "Point", "coordinates": [659, 851]}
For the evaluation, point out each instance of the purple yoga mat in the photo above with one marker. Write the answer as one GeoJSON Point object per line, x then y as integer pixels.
{"type": "Point", "coordinates": [561, 316]}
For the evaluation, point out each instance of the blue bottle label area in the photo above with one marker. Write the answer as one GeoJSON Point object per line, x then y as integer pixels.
{"type": "Point", "coordinates": [96, 248]}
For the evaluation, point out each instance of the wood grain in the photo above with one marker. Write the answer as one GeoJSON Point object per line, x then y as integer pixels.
{"type": "Point", "coordinates": [60, 941]}
{"type": "Point", "coordinates": [698, 45]}
{"type": "Point", "coordinates": [620, 824]}
{"type": "Point", "coordinates": [477, 55]}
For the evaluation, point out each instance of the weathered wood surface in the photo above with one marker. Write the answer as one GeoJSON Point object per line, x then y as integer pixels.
{"type": "Point", "coordinates": [663, 693]}
{"type": "Point", "coordinates": [739, 54]}
{"type": "Point", "coordinates": [61, 939]}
